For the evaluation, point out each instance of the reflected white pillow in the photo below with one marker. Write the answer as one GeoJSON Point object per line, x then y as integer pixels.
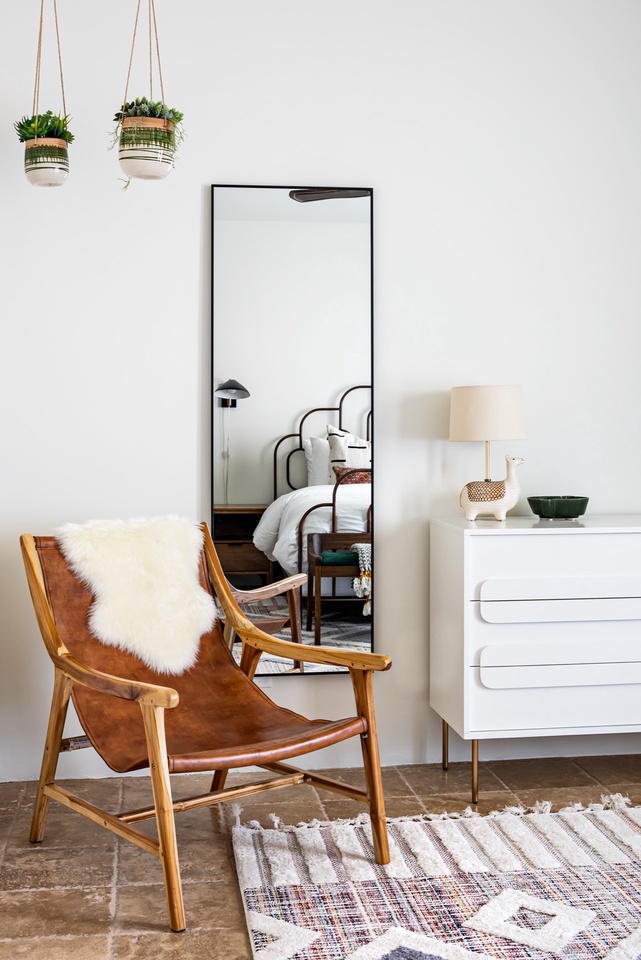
{"type": "Point", "coordinates": [347, 450]}
{"type": "Point", "coordinates": [317, 456]}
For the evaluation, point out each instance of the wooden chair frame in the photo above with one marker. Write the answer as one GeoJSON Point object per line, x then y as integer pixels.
{"type": "Point", "coordinates": [154, 700]}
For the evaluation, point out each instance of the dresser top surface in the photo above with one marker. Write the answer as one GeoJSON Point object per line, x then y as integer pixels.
{"type": "Point", "coordinates": [628, 523]}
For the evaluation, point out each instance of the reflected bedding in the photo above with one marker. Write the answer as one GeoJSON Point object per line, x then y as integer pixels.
{"type": "Point", "coordinates": [277, 533]}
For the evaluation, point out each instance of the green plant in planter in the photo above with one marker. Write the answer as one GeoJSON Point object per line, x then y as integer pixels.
{"type": "Point", "coordinates": [144, 108]}
{"type": "Point", "coordinates": [41, 125]}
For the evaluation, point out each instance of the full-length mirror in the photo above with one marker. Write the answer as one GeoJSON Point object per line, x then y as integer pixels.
{"type": "Point", "coordinates": [291, 405]}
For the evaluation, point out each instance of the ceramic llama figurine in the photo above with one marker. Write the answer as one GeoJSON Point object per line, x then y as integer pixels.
{"type": "Point", "coordinates": [492, 496]}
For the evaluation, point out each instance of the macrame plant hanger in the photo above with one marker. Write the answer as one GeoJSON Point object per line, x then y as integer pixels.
{"type": "Point", "coordinates": [46, 152]}
{"type": "Point", "coordinates": [146, 128]}
{"type": "Point", "coordinates": [151, 18]}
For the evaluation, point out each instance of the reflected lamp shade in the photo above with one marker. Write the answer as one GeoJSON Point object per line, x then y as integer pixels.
{"type": "Point", "coordinates": [230, 391]}
{"type": "Point", "coordinates": [487, 413]}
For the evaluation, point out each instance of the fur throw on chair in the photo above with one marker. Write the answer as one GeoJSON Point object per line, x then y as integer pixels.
{"type": "Point", "coordinates": [144, 578]}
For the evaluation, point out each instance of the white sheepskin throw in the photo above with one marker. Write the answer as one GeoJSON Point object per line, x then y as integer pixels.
{"type": "Point", "coordinates": [144, 577]}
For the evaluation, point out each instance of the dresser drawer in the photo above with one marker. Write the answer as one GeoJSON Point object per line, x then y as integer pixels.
{"type": "Point", "coordinates": [570, 639]}
{"type": "Point", "coordinates": [582, 555]}
{"type": "Point", "coordinates": [529, 711]}
{"type": "Point", "coordinates": [241, 558]}
{"type": "Point", "coordinates": [541, 599]}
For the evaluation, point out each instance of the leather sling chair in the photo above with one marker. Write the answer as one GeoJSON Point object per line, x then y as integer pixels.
{"type": "Point", "coordinates": [210, 718]}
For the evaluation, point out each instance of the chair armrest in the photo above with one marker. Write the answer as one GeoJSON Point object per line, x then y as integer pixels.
{"type": "Point", "coordinates": [270, 589]}
{"type": "Point", "coordinates": [252, 636]}
{"type": "Point", "coordinates": [149, 693]}
{"type": "Point", "coordinates": [330, 656]}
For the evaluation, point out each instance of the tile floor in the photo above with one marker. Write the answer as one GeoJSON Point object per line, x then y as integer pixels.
{"type": "Point", "coordinates": [84, 895]}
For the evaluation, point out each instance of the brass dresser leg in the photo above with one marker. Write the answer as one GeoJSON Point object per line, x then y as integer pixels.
{"type": "Point", "coordinates": [475, 771]}
{"type": "Point", "coordinates": [445, 750]}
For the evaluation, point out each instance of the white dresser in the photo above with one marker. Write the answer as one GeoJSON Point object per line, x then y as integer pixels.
{"type": "Point", "coordinates": [535, 627]}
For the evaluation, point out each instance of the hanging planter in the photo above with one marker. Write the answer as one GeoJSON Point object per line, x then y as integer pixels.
{"type": "Point", "coordinates": [46, 157]}
{"type": "Point", "coordinates": [147, 137]}
{"type": "Point", "coordinates": [147, 130]}
{"type": "Point", "coordinates": [46, 136]}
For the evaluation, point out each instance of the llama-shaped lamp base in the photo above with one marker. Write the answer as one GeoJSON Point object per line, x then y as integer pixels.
{"type": "Point", "coordinates": [492, 497]}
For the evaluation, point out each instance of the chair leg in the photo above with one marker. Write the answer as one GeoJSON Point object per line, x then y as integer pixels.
{"type": "Point", "coordinates": [310, 594]}
{"type": "Point", "coordinates": [218, 780]}
{"type": "Point", "coordinates": [363, 689]}
{"type": "Point", "coordinates": [153, 718]}
{"type": "Point", "coordinates": [293, 606]}
{"type": "Point", "coordinates": [294, 609]}
{"type": "Point", "coordinates": [59, 703]}
{"type": "Point", "coordinates": [317, 605]}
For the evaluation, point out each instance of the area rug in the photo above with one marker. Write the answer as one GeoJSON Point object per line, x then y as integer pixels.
{"type": "Point", "coordinates": [514, 885]}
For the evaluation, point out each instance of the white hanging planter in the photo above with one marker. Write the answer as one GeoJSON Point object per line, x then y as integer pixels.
{"type": "Point", "coordinates": [45, 134]}
{"type": "Point", "coordinates": [146, 147]}
{"type": "Point", "coordinates": [46, 161]}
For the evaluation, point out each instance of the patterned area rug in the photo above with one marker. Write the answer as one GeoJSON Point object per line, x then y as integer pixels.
{"type": "Point", "coordinates": [515, 885]}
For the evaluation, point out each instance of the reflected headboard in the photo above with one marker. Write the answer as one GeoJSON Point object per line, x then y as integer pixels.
{"type": "Point", "coordinates": [285, 452]}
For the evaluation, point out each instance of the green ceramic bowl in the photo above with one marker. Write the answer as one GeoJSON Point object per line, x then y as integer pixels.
{"type": "Point", "coordinates": [558, 508]}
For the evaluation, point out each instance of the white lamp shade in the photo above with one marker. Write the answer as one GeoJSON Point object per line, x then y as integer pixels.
{"type": "Point", "coordinates": [487, 413]}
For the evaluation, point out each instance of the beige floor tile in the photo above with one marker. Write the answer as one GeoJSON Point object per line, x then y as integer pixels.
{"type": "Point", "coordinates": [41, 867]}
{"type": "Point", "coordinates": [57, 948]}
{"type": "Point", "coordinates": [141, 909]}
{"type": "Point", "coordinates": [199, 945]}
{"type": "Point", "coordinates": [487, 803]}
{"type": "Point", "coordinates": [536, 774]}
{"type": "Point", "coordinates": [204, 861]}
{"type": "Point", "coordinates": [11, 795]}
{"type": "Point", "coordinates": [612, 770]}
{"type": "Point", "coordinates": [55, 913]}
{"type": "Point", "coordinates": [63, 828]}
{"type": "Point", "coordinates": [337, 809]}
{"type": "Point", "coordinates": [430, 780]}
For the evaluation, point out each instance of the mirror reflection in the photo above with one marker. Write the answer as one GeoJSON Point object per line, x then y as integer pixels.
{"type": "Point", "coordinates": [291, 406]}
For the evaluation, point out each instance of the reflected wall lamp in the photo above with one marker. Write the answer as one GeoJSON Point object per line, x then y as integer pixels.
{"type": "Point", "coordinates": [229, 392]}
{"type": "Point", "coordinates": [487, 413]}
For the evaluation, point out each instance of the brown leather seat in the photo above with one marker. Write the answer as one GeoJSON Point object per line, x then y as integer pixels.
{"type": "Point", "coordinates": [212, 717]}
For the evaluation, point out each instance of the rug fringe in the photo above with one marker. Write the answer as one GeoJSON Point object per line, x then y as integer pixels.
{"type": "Point", "coordinates": [612, 801]}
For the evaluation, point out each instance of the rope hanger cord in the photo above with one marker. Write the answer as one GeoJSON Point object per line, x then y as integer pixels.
{"type": "Point", "coordinates": [152, 27]}
{"type": "Point", "coordinates": [36, 88]}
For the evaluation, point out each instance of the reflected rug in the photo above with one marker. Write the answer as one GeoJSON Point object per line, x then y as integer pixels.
{"type": "Point", "coordinates": [348, 633]}
{"type": "Point", "coordinates": [514, 885]}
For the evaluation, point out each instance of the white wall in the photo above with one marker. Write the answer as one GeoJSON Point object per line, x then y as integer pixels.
{"type": "Point", "coordinates": [299, 295]}
{"type": "Point", "coordinates": [503, 143]}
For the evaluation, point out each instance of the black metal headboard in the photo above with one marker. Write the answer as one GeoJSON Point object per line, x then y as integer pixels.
{"type": "Point", "coordinates": [283, 456]}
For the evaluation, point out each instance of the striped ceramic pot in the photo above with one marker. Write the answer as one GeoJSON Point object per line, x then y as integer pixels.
{"type": "Point", "coordinates": [46, 161]}
{"type": "Point", "coordinates": [146, 147]}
